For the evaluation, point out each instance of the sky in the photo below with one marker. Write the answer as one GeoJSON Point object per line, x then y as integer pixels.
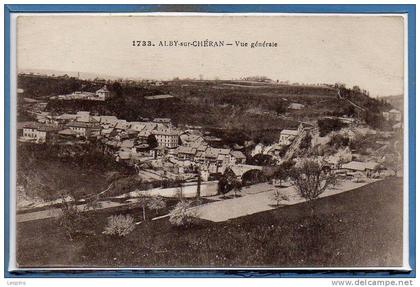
{"type": "Point", "coordinates": [367, 51]}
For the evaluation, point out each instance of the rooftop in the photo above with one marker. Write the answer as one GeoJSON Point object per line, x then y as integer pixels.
{"type": "Point", "coordinates": [41, 127]}
{"type": "Point", "coordinates": [186, 150]}
{"type": "Point", "coordinates": [127, 143]}
{"type": "Point", "coordinates": [109, 118]}
{"type": "Point", "coordinates": [360, 166]}
{"type": "Point", "coordinates": [103, 89]}
{"type": "Point", "coordinates": [289, 132]}
{"type": "Point", "coordinates": [121, 124]}
{"type": "Point", "coordinates": [82, 124]}
{"type": "Point", "coordinates": [237, 154]}
{"type": "Point", "coordinates": [165, 132]}
{"type": "Point", "coordinates": [394, 111]}
{"type": "Point", "coordinates": [67, 132]}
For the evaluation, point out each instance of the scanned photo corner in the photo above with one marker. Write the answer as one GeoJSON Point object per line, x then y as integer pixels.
{"type": "Point", "coordinates": [224, 143]}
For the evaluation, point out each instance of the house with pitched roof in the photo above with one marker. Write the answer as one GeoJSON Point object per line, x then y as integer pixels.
{"type": "Point", "coordinates": [38, 132]}
{"type": "Point", "coordinates": [103, 93]}
{"type": "Point", "coordinates": [108, 120]}
{"type": "Point", "coordinates": [392, 115]}
{"type": "Point", "coordinates": [364, 167]}
{"type": "Point", "coordinates": [137, 126]}
{"type": "Point", "coordinates": [147, 130]}
{"type": "Point", "coordinates": [185, 153]}
{"type": "Point", "coordinates": [287, 136]}
{"type": "Point", "coordinates": [237, 157]}
{"type": "Point", "coordinates": [122, 125]}
{"type": "Point", "coordinates": [84, 129]}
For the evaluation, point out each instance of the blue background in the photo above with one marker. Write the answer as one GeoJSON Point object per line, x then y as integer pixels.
{"type": "Point", "coordinates": [409, 10]}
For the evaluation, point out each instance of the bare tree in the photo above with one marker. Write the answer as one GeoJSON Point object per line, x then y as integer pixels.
{"type": "Point", "coordinates": [143, 201]}
{"type": "Point", "coordinates": [282, 172]}
{"type": "Point", "coordinates": [74, 218]}
{"type": "Point", "coordinates": [310, 180]}
{"type": "Point", "coordinates": [278, 197]}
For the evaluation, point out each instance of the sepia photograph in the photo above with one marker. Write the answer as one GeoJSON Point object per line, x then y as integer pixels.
{"type": "Point", "coordinates": [209, 141]}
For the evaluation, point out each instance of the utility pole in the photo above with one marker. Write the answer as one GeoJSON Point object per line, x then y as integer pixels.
{"type": "Point", "coordinates": [199, 184]}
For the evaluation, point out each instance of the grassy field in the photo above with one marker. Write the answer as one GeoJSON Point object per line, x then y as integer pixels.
{"type": "Point", "coordinates": [362, 227]}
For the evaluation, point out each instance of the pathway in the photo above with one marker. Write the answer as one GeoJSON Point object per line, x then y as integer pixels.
{"type": "Point", "coordinates": [256, 198]}
{"type": "Point", "coordinates": [56, 212]}
{"type": "Point", "coordinates": [261, 201]}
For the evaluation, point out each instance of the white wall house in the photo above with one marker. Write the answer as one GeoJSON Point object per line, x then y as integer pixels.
{"type": "Point", "coordinates": [38, 132]}
{"type": "Point", "coordinates": [35, 134]}
{"type": "Point", "coordinates": [393, 115]}
{"type": "Point", "coordinates": [167, 138]}
{"type": "Point", "coordinates": [103, 93]}
{"type": "Point", "coordinates": [84, 129]}
{"type": "Point", "coordinates": [296, 106]}
{"type": "Point", "coordinates": [288, 136]}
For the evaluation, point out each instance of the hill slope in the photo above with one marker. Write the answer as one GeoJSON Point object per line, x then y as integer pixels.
{"type": "Point", "coordinates": [347, 231]}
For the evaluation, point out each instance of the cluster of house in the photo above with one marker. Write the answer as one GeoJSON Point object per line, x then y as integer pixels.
{"type": "Point", "coordinates": [343, 162]}
{"type": "Point", "coordinates": [141, 141]}
{"type": "Point", "coordinates": [392, 115]}
{"type": "Point", "coordinates": [36, 132]}
{"type": "Point", "coordinates": [346, 164]}
{"type": "Point", "coordinates": [289, 138]}
{"type": "Point", "coordinates": [195, 152]}
{"type": "Point", "coordinates": [178, 151]}
{"type": "Point", "coordinates": [102, 94]}
{"type": "Point", "coordinates": [84, 125]}
{"type": "Point", "coordinates": [175, 150]}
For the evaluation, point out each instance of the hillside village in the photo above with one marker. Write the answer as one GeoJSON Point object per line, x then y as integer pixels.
{"type": "Point", "coordinates": [159, 150]}
{"type": "Point", "coordinates": [274, 142]}
{"type": "Point", "coordinates": [174, 159]}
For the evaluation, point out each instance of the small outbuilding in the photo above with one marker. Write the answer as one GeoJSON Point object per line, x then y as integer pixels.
{"type": "Point", "coordinates": [296, 106]}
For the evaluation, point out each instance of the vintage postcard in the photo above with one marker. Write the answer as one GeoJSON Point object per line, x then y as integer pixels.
{"type": "Point", "coordinates": [209, 141]}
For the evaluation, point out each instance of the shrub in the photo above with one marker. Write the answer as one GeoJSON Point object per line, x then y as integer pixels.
{"type": "Point", "coordinates": [262, 159]}
{"type": "Point", "coordinates": [182, 214]}
{"type": "Point", "coordinates": [338, 141]}
{"type": "Point", "coordinates": [74, 220]}
{"type": "Point", "coordinates": [227, 182]}
{"type": "Point", "coordinates": [156, 203]}
{"type": "Point", "coordinates": [120, 225]}
{"type": "Point", "coordinates": [278, 197]}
